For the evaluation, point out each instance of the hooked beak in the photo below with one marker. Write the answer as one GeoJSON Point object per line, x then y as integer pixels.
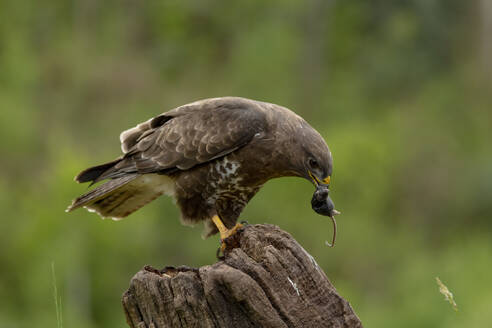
{"type": "Point", "coordinates": [317, 182]}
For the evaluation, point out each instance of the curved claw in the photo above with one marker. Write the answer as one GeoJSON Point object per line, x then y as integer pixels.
{"type": "Point", "coordinates": [219, 251]}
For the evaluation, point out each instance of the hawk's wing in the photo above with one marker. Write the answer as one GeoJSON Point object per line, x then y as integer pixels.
{"type": "Point", "coordinates": [188, 136]}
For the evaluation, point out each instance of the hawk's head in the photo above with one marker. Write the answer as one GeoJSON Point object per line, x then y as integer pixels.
{"type": "Point", "coordinates": [316, 165]}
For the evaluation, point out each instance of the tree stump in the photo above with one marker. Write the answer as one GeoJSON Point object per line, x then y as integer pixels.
{"type": "Point", "coordinates": [266, 279]}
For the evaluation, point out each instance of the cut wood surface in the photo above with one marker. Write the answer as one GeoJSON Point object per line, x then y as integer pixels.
{"type": "Point", "coordinates": [266, 279]}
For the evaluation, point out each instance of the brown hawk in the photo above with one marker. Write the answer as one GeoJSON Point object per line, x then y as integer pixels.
{"type": "Point", "coordinates": [212, 156]}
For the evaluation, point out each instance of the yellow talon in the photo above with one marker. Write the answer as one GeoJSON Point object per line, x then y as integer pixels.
{"type": "Point", "coordinates": [224, 232]}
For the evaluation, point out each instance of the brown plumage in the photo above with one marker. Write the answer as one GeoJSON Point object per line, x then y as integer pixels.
{"type": "Point", "coordinates": [212, 156]}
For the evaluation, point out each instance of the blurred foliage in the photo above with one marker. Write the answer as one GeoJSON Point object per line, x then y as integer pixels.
{"type": "Point", "coordinates": [400, 90]}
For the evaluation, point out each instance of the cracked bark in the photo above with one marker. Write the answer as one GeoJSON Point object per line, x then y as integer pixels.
{"type": "Point", "coordinates": [266, 279]}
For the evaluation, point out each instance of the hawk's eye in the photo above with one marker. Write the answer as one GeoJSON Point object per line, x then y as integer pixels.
{"type": "Point", "coordinates": [313, 164]}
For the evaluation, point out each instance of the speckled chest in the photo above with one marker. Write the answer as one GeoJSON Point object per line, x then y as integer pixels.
{"type": "Point", "coordinates": [226, 181]}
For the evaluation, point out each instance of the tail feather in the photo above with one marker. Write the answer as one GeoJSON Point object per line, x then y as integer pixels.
{"type": "Point", "coordinates": [93, 173]}
{"type": "Point", "coordinates": [122, 196]}
{"type": "Point", "coordinates": [99, 192]}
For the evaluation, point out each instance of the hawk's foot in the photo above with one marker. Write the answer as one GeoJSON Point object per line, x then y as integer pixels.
{"type": "Point", "coordinates": [225, 233]}
{"type": "Point", "coordinates": [223, 230]}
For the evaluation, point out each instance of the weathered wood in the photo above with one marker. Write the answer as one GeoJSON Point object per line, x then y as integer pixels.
{"type": "Point", "coordinates": [266, 279]}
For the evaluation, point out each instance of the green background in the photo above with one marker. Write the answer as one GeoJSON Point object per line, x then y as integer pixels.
{"type": "Point", "coordinates": [401, 91]}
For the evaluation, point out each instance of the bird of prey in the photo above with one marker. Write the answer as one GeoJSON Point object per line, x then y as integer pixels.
{"type": "Point", "coordinates": [212, 156]}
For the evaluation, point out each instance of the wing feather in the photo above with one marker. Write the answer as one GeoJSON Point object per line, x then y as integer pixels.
{"type": "Point", "coordinates": [189, 135]}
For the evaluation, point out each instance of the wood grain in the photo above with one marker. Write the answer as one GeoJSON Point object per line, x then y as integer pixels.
{"type": "Point", "coordinates": [266, 279]}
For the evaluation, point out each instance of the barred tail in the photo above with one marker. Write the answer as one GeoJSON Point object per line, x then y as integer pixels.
{"type": "Point", "coordinates": [120, 197]}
